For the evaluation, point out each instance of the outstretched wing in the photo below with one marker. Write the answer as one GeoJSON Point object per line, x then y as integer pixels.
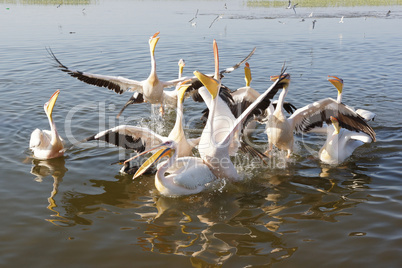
{"type": "Point", "coordinates": [116, 83]}
{"type": "Point", "coordinates": [135, 138]}
{"type": "Point", "coordinates": [315, 114]}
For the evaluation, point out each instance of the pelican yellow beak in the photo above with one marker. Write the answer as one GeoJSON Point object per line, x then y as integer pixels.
{"type": "Point", "coordinates": [155, 157]}
{"type": "Point", "coordinates": [337, 82]}
{"type": "Point", "coordinates": [181, 91]}
{"type": "Point", "coordinates": [247, 74]}
{"type": "Point", "coordinates": [210, 83]}
{"type": "Point", "coordinates": [153, 41]}
{"type": "Point", "coordinates": [335, 123]}
{"type": "Point", "coordinates": [50, 104]}
{"type": "Point", "coordinates": [181, 64]}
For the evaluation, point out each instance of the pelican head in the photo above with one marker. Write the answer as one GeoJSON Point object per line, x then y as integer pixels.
{"type": "Point", "coordinates": [48, 107]}
{"type": "Point", "coordinates": [210, 83]}
{"type": "Point", "coordinates": [181, 90]}
{"type": "Point", "coordinates": [337, 82]}
{"type": "Point", "coordinates": [166, 149]}
{"type": "Point", "coordinates": [181, 64]}
{"type": "Point", "coordinates": [285, 79]}
{"type": "Point", "coordinates": [335, 123]}
{"type": "Point", "coordinates": [247, 74]}
{"type": "Point", "coordinates": [153, 40]}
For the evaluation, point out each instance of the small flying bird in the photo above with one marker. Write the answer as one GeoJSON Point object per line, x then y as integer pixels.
{"type": "Point", "coordinates": [311, 15]}
{"type": "Point", "coordinates": [216, 19]}
{"type": "Point", "coordinates": [226, 7]}
{"type": "Point", "coordinates": [388, 13]}
{"type": "Point", "coordinates": [314, 21]}
{"type": "Point", "coordinates": [294, 7]}
{"type": "Point", "coordinates": [289, 5]}
{"type": "Point", "coordinates": [196, 13]}
{"type": "Point", "coordinates": [341, 21]}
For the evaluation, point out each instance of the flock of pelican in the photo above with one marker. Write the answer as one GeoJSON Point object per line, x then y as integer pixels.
{"type": "Point", "coordinates": [195, 165]}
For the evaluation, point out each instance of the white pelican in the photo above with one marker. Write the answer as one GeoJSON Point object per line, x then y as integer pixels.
{"type": "Point", "coordinates": [151, 89]}
{"type": "Point", "coordinates": [244, 96]}
{"type": "Point", "coordinates": [188, 175]}
{"type": "Point", "coordinates": [47, 144]}
{"type": "Point", "coordinates": [280, 129]}
{"type": "Point", "coordinates": [340, 143]}
{"type": "Point", "coordinates": [338, 83]}
{"type": "Point", "coordinates": [138, 97]}
{"type": "Point", "coordinates": [219, 138]}
{"type": "Point", "coordinates": [142, 139]}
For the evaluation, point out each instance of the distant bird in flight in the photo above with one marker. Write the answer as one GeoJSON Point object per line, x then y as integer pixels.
{"type": "Point", "coordinates": [311, 15]}
{"type": "Point", "coordinates": [294, 7]}
{"type": "Point", "coordinates": [196, 13]}
{"type": "Point", "coordinates": [217, 18]}
{"type": "Point", "coordinates": [341, 21]}
{"type": "Point", "coordinates": [314, 21]}
{"type": "Point", "coordinates": [388, 13]}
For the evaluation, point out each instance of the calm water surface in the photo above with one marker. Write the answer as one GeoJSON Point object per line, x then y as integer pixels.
{"type": "Point", "coordinates": [79, 210]}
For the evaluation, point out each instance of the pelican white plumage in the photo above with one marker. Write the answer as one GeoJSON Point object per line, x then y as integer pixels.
{"type": "Point", "coordinates": [338, 84]}
{"type": "Point", "coordinates": [219, 138]}
{"type": "Point", "coordinates": [47, 144]}
{"type": "Point", "coordinates": [142, 139]}
{"type": "Point", "coordinates": [244, 96]}
{"type": "Point", "coordinates": [138, 97]}
{"type": "Point", "coordinates": [151, 89]}
{"type": "Point", "coordinates": [280, 129]}
{"type": "Point", "coordinates": [340, 143]}
{"type": "Point", "coordinates": [188, 175]}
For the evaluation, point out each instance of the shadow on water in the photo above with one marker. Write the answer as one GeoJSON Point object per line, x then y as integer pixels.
{"type": "Point", "coordinates": [245, 222]}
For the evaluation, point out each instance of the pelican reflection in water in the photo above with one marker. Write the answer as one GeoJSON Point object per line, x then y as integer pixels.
{"type": "Point", "coordinates": [55, 168]}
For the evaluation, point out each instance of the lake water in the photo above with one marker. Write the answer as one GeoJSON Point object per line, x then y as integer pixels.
{"type": "Point", "coordinates": [78, 210]}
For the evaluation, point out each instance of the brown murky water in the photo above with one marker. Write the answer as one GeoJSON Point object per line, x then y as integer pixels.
{"type": "Point", "coordinates": [78, 210]}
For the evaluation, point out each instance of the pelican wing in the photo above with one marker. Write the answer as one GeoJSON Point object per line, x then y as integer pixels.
{"type": "Point", "coordinates": [264, 97]}
{"type": "Point", "coordinates": [315, 114]}
{"type": "Point", "coordinates": [135, 138]}
{"type": "Point", "coordinates": [197, 84]}
{"type": "Point", "coordinates": [367, 115]}
{"type": "Point", "coordinates": [259, 107]}
{"type": "Point", "coordinates": [116, 83]}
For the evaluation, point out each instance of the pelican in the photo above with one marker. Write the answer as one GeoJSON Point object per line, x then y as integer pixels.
{"type": "Point", "coordinates": [151, 89]}
{"type": "Point", "coordinates": [340, 143]}
{"type": "Point", "coordinates": [47, 144]}
{"type": "Point", "coordinates": [188, 175]}
{"type": "Point", "coordinates": [280, 129]}
{"type": "Point", "coordinates": [138, 97]}
{"type": "Point", "coordinates": [338, 83]}
{"type": "Point", "coordinates": [244, 96]}
{"type": "Point", "coordinates": [142, 139]}
{"type": "Point", "coordinates": [219, 138]}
